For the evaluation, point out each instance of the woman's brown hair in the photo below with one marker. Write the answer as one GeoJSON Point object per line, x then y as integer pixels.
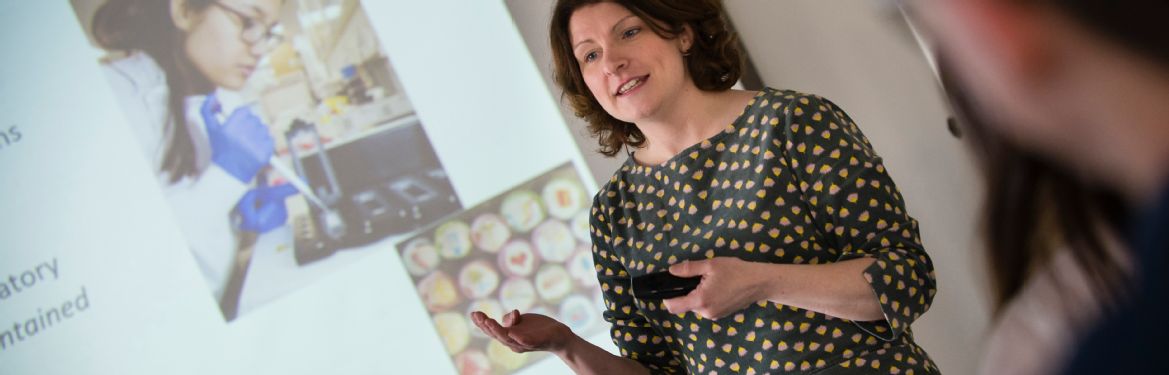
{"type": "Point", "coordinates": [714, 62]}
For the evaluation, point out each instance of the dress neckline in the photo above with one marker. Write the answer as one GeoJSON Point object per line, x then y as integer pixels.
{"type": "Point", "coordinates": [632, 165]}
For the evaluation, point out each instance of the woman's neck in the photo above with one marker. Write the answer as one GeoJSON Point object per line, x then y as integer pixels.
{"type": "Point", "coordinates": [691, 117]}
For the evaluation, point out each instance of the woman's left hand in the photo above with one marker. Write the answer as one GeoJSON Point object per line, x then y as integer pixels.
{"type": "Point", "coordinates": [241, 144]}
{"type": "Point", "coordinates": [728, 284]}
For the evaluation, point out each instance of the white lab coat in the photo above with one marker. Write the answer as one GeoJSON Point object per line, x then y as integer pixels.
{"type": "Point", "coordinates": [202, 205]}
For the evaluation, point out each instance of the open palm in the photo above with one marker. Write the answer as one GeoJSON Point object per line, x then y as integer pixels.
{"type": "Point", "coordinates": [525, 332]}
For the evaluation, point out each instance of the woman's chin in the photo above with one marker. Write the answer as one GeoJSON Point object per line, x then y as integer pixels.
{"type": "Point", "coordinates": [234, 83]}
{"type": "Point", "coordinates": [635, 113]}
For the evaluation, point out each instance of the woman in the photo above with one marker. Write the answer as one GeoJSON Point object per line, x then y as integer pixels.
{"type": "Point", "coordinates": [1078, 87]}
{"type": "Point", "coordinates": [808, 261]}
{"type": "Point", "coordinates": [183, 61]}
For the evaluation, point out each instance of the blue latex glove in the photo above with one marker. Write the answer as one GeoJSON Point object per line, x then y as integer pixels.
{"type": "Point", "coordinates": [241, 145]}
{"type": "Point", "coordinates": [262, 209]}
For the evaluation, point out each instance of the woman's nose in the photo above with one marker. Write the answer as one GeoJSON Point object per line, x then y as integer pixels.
{"type": "Point", "coordinates": [614, 62]}
{"type": "Point", "coordinates": [257, 49]}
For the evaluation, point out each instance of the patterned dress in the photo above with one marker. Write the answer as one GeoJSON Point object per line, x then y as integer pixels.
{"type": "Point", "coordinates": [791, 181]}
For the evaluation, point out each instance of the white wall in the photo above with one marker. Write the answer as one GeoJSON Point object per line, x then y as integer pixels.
{"type": "Point", "coordinates": [856, 54]}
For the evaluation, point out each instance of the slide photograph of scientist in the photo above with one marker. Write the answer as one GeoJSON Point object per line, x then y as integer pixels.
{"type": "Point", "coordinates": [268, 124]}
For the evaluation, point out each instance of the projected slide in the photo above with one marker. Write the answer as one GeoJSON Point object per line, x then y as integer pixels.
{"type": "Point", "coordinates": [526, 249]}
{"type": "Point", "coordinates": [272, 127]}
{"type": "Point", "coordinates": [281, 187]}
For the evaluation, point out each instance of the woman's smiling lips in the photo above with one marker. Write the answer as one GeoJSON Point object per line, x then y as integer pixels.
{"type": "Point", "coordinates": [246, 69]}
{"type": "Point", "coordinates": [631, 85]}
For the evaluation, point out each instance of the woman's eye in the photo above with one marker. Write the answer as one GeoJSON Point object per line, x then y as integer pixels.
{"type": "Point", "coordinates": [246, 23]}
{"type": "Point", "coordinates": [631, 32]}
{"type": "Point", "coordinates": [589, 57]}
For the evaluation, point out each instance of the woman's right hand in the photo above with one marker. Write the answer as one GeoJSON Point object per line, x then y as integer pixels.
{"type": "Point", "coordinates": [535, 332]}
{"type": "Point", "coordinates": [262, 209]}
{"type": "Point", "coordinates": [526, 332]}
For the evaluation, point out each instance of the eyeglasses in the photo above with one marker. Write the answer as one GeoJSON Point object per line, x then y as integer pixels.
{"type": "Point", "coordinates": [254, 31]}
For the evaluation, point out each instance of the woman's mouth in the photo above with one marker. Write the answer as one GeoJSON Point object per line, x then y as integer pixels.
{"type": "Point", "coordinates": [247, 70]}
{"type": "Point", "coordinates": [631, 85]}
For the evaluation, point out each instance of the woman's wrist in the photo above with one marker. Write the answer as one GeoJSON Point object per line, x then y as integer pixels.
{"type": "Point", "coordinates": [585, 358]}
{"type": "Point", "coordinates": [570, 347]}
{"type": "Point", "coordinates": [768, 281]}
{"type": "Point", "coordinates": [837, 289]}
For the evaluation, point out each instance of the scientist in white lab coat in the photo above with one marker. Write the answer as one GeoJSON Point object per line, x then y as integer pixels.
{"type": "Point", "coordinates": [183, 62]}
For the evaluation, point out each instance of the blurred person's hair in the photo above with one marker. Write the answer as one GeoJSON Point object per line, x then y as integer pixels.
{"type": "Point", "coordinates": [1138, 26]}
{"type": "Point", "coordinates": [714, 62]}
{"type": "Point", "coordinates": [146, 26]}
{"type": "Point", "coordinates": [1035, 207]}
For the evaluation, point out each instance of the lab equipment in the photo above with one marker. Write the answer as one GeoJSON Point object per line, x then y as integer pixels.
{"type": "Point", "coordinates": [384, 182]}
{"type": "Point", "coordinates": [296, 181]}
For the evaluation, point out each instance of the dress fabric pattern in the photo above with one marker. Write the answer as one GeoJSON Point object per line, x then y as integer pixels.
{"type": "Point", "coordinates": [792, 180]}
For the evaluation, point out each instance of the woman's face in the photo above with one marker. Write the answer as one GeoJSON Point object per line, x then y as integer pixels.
{"type": "Point", "coordinates": [227, 39]}
{"type": "Point", "coordinates": [629, 69]}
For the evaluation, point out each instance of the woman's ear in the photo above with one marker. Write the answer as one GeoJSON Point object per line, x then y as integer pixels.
{"type": "Point", "coordinates": [685, 39]}
{"type": "Point", "coordinates": [180, 15]}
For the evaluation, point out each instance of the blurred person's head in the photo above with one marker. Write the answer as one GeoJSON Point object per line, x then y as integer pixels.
{"type": "Point", "coordinates": [654, 48]}
{"type": "Point", "coordinates": [1083, 82]}
{"type": "Point", "coordinates": [1035, 207]}
{"type": "Point", "coordinates": [1065, 102]}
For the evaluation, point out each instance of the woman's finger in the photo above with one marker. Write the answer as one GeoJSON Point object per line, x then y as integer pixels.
{"type": "Point", "coordinates": [523, 340]}
{"type": "Point", "coordinates": [691, 268]}
{"type": "Point", "coordinates": [520, 343]}
{"type": "Point", "coordinates": [499, 332]}
{"type": "Point", "coordinates": [517, 349]}
{"type": "Point", "coordinates": [477, 318]}
{"type": "Point", "coordinates": [682, 304]}
{"type": "Point", "coordinates": [482, 321]}
{"type": "Point", "coordinates": [511, 318]}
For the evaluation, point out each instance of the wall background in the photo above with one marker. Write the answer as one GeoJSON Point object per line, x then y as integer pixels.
{"type": "Point", "coordinates": [859, 55]}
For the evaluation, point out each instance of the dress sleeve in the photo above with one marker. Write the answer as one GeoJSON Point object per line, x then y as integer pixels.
{"type": "Point", "coordinates": [631, 331]}
{"type": "Point", "coordinates": [858, 210]}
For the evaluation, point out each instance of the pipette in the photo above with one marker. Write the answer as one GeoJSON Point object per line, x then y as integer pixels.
{"type": "Point", "coordinates": [297, 182]}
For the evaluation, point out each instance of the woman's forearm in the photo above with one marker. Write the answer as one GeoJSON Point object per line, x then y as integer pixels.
{"type": "Point", "coordinates": [585, 358]}
{"type": "Point", "coordinates": [837, 289]}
